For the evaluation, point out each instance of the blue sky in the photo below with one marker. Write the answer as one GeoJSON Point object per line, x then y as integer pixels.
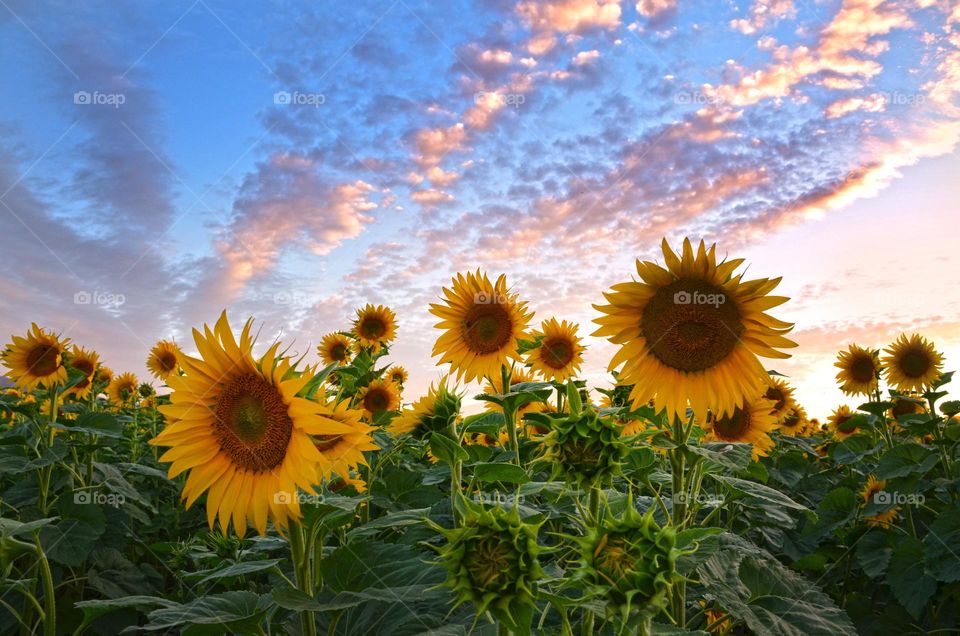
{"type": "Point", "coordinates": [554, 140]}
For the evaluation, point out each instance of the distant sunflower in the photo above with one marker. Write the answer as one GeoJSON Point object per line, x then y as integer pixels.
{"type": "Point", "coordinates": [841, 422]}
{"type": "Point", "coordinates": [795, 422]}
{"type": "Point", "coordinates": [375, 326]}
{"type": "Point", "coordinates": [519, 376]}
{"type": "Point", "coordinates": [397, 374]}
{"type": "Point", "coordinates": [36, 359]}
{"type": "Point", "coordinates": [859, 368]}
{"type": "Point", "coordinates": [237, 425]}
{"type": "Point", "coordinates": [163, 360]}
{"type": "Point", "coordinates": [378, 397]}
{"type": "Point", "coordinates": [335, 348]}
{"type": "Point", "coordinates": [481, 323]}
{"type": "Point", "coordinates": [430, 412]}
{"type": "Point", "coordinates": [693, 331]}
{"type": "Point", "coordinates": [872, 487]}
{"type": "Point", "coordinates": [750, 423]}
{"type": "Point", "coordinates": [912, 363]}
{"type": "Point", "coordinates": [86, 362]}
{"type": "Point", "coordinates": [780, 395]}
{"type": "Point", "coordinates": [870, 490]}
{"type": "Point", "coordinates": [123, 388]}
{"type": "Point", "coordinates": [910, 404]}
{"type": "Point", "coordinates": [341, 452]}
{"type": "Point", "coordinates": [560, 353]}
{"type": "Point", "coordinates": [103, 375]}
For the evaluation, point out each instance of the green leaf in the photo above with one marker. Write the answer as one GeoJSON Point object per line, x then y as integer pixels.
{"type": "Point", "coordinates": [445, 449]}
{"type": "Point", "coordinates": [729, 455]}
{"type": "Point", "coordinates": [13, 528]}
{"type": "Point", "coordinates": [755, 588]}
{"type": "Point", "coordinates": [229, 612]}
{"type": "Point", "coordinates": [96, 423]}
{"type": "Point", "coordinates": [75, 535]}
{"type": "Point", "coordinates": [853, 449]}
{"type": "Point", "coordinates": [942, 546]}
{"type": "Point", "coordinates": [491, 472]}
{"type": "Point", "coordinates": [754, 490]}
{"type": "Point", "coordinates": [873, 553]}
{"type": "Point", "coordinates": [911, 586]}
{"type": "Point", "coordinates": [96, 608]}
{"type": "Point", "coordinates": [237, 569]}
{"type": "Point", "coordinates": [905, 459]}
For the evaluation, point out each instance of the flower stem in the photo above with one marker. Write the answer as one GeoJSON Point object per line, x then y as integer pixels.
{"type": "Point", "coordinates": [456, 478]}
{"type": "Point", "coordinates": [49, 601]}
{"type": "Point", "coordinates": [302, 571]}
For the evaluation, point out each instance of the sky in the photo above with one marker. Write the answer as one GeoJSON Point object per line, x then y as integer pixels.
{"type": "Point", "coordinates": [293, 161]}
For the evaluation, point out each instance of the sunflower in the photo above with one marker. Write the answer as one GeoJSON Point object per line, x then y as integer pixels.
{"type": "Point", "coordinates": [163, 360]}
{"type": "Point", "coordinates": [750, 423]}
{"type": "Point", "coordinates": [519, 376]}
{"type": "Point", "coordinates": [123, 388]}
{"type": "Point", "coordinates": [794, 423]}
{"type": "Point", "coordinates": [397, 374]}
{"type": "Point", "coordinates": [481, 323]}
{"type": "Point", "coordinates": [909, 404]}
{"type": "Point", "coordinates": [780, 395]}
{"type": "Point", "coordinates": [692, 332]}
{"type": "Point", "coordinates": [560, 354]}
{"type": "Point", "coordinates": [913, 363]}
{"type": "Point", "coordinates": [840, 422]}
{"type": "Point", "coordinates": [85, 362]}
{"type": "Point", "coordinates": [36, 359]}
{"type": "Point", "coordinates": [434, 411]}
{"type": "Point", "coordinates": [869, 494]}
{"type": "Point", "coordinates": [872, 487]}
{"type": "Point", "coordinates": [103, 375]}
{"type": "Point", "coordinates": [859, 368]}
{"type": "Point", "coordinates": [378, 397]}
{"type": "Point", "coordinates": [334, 348]}
{"type": "Point", "coordinates": [375, 326]}
{"type": "Point", "coordinates": [237, 425]}
{"type": "Point", "coordinates": [341, 452]}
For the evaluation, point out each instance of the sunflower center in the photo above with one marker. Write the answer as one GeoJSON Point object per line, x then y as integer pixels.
{"type": "Point", "coordinates": [556, 353]}
{"type": "Point", "coordinates": [326, 442]}
{"type": "Point", "coordinates": [487, 328]}
{"type": "Point", "coordinates": [691, 325]}
{"type": "Point", "coordinates": [253, 424]}
{"type": "Point", "coordinates": [791, 420]}
{"type": "Point", "coordinates": [862, 368]}
{"type": "Point", "coordinates": [489, 566]}
{"type": "Point", "coordinates": [914, 363]}
{"type": "Point", "coordinates": [777, 396]}
{"type": "Point", "coordinates": [376, 400]}
{"type": "Point", "coordinates": [339, 352]}
{"type": "Point", "coordinates": [616, 559]}
{"type": "Point", "coordinates": [846, 424]}
{"type": "Point", "coordinates": [372, 328]}
{"type": "Point", "coordinates": [732, 427]}
{"type": "Point", "coordinates": [43, 360]}
{"type": "Point", "coordinates": [904, 407]}
{"type": "Point", "coordinates": [86, 367]}
{"type": "Point", "coordinates": [167, 361]}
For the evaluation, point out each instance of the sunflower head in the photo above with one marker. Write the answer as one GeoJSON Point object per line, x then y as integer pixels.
{"type": "Point", "coordinates": [378, 397]}
{"type": "Point", "coordinates": [492, 561]}
{"type": "Point", "coordinates": [237, 424]}
{"type": "Point", "coordinates": [780, 395]}
{"type": "Point", "coordinates": [163, 360]}
{"type": "Point", "coordinates": [482, 323]}
{"type": "Point", "coordinates": [397, 375]}
{"type": "Point", "coordinates": [691, 332]}
{"type": "Point", "coordinates": [103, 376]}
{"type": "Point", "coordinates": [335, 348]}
{"type": "Point", "coordinates": [859, 370]}
{"type": "Point", "coordinates": [795, 422]}
{"type": "Point", "coordinates": [585, 448]}
{"type": "Point", "coordinates": [629, 561]}
{"type": "Point", "coordinates": [375, 326]}
{"type": "Point", "coordinates": [434, 412]}
{"type": "Point", "coordinates": [123, 389]}
{"type": "Point", "coordinates": [86, 362]}
{"type": "Point", "coordinates": [750, 423]}
{"type": "Point", "coordinates": [843, 423]}
{"type": "Point", "coordinates": [558, 354]}
{"type": "Point", "coordinates": [912, 363]}
{"type": "Point", "coordinates": [341, 452]}
{"type": "Point", "coordinates": [36, 359]}
{"type": "Point", "coordinates": [871, 488]}
{"type": "Point", "coordinates": [909, 404]}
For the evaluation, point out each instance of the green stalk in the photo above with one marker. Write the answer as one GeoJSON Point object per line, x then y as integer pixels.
{"type": "Point", "coordinates": [456, 475]}
{"type": "Point", "coordinates": [49, 600]}
{"type": "Point", "coordinates": [510, 414]}
{"type": "Point", "coordinates": [593, 518]}
{"type": "Point", "coordinates": [678, 466]}
{"type": "Point", "coordinates": [302, 570]}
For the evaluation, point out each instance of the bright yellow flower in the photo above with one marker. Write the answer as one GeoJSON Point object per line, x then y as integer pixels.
{"type": "Point", "coordinates": [343, 451]}
{"type": "Point", "coordinates": [840, 422]}
{"type": "Point", "coordinates": [375, 326]}
{"type": "Point", "coordinates": [691, 332]}
{"type": "Point", "coordinates": [378, 397]}
{"type": "Point", "coordinates": [335, 348]}
{"type": "Point", "coordinates": [750, 423]}
{"type": "Point", "coordinates": [781, 399]}
{"type": "Point", "coordinates": [560, 353]}
{"type": "Point", "coordinates": [123, 389]}
{"type": "Point", "coordinates": [163, 360]}
{"type": "Point", "coordinates": [86, 362]}
{"type": "Point", "coordinates": [36, 359]}
{"type": "Point", "coordinates": [912, 364]}
{"type": "Point", "coordinates": [859, 368]}
{"type": "Point", "coordinates": [397, 374]}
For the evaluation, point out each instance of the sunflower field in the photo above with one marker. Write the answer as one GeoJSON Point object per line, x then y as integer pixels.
{"type": "Point", "coordinates": [278, 494]}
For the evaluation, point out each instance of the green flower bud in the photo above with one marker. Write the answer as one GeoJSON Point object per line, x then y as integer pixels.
{"type": "Point", "coordinates": [585, 448]}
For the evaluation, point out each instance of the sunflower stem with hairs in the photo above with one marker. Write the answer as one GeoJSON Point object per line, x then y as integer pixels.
{"type": "Point", "coordinates": [302, 570]}
{"type": "Point", "coordinates": [510, 414]}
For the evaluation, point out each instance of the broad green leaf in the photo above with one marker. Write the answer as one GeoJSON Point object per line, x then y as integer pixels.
{"type": "Point", "coordinates": [905, 459]}
{"type": "Point", "coordinates": [229, 612]}
{"type": "Point", "coordinates": [729, 455]}
{"type": "Point", "coordinates": [942, 546]}
{"type": "Point", "coordinates": [873, 553]}
{"type": "Point", "coordinates": [754, 490]}
{"type": "Point", "coordinates": [445, 449]}
{"type": "Point", "coordinates": [906, 577]}
{"type": "Point", "coordinates": [498, 472]}
{"type": "Point", "coordinates": [237, 569]}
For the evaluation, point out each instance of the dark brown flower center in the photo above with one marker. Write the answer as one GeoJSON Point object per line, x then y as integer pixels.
{"type": "Point", "coordinates": [691, 325]}
{"type": "Point", "coordinates": [43, 360]}
{"type": "Point", "coordinates": [915, 362]}
{"type": "Point", "coordinates": [338, 352]}
{"type": "Point", "coordinates": [777, 396]}
{"type": "Point", "coordinates": [862, 368]}
{"type": "Point", "coordinates": [904, 407]}
{"type": "Point", "coordinates": [85, 366]}
{"type": "Point", "coordinates": [733, 427]}
{"type": "Point", "coordinates": [372, 328]}
{"type": "Point", "coordinates": [376, 400]}
{"type": "Point", "coordinates": [487, 328]}
{"type": "Point", "coordinates": [253, 425]}
{"type": "Point", "coordinates": [792, 419]}
{"type": "Point", "coordinates": [556, 353]}
{"type": "Point", "coordinates": [167, 361]}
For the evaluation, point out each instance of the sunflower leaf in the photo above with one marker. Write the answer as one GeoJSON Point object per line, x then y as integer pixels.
{"type": "Point", "coordinates": [906, 459]}
{"type": "Point", "coordinates": [910, 584]}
